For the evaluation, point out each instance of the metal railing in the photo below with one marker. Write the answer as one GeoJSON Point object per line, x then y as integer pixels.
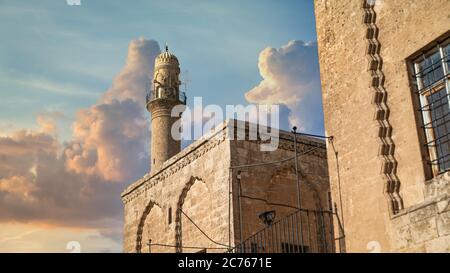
{"type": "Point", "coordinates": [181, 97]}
{"type": "Point", "coordinates": [304, 231]}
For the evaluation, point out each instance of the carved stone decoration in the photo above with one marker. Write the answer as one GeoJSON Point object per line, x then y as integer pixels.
{"type": "Point", "coordinates": [141, 225]}
{"type": "Point", "coordinates": [380, 99]}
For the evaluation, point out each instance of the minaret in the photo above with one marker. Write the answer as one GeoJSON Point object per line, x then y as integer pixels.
{"type": "Point", "coordinates": [164, 95]}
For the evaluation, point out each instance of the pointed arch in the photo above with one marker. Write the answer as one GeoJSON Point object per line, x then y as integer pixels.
{"type": "Point", "coordinates": [141, 224]}
{"type": "Point", "coordinates": [181, 198]}
{"type": "Point", "coordinates": [289, 169]}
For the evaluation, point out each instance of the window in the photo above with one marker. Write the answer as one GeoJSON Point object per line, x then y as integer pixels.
{"type": "Point", "coordinates": [432, 80]}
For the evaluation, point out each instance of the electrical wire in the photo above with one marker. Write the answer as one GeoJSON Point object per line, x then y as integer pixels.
{"type": "Point", "coordinates": [190, 247]}
{"type": "Point", "coordinates": [267, 202]}
{"type": "Point", "coordinates": [274, 162]}
{"type": "Point", "coordinates": [194, 247]}
{"type": "Point", "coordinates": [206, 235]}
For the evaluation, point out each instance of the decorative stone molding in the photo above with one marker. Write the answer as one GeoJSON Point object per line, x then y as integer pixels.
{"type": "Point", "coordinates": [387, 145]}
{"type": "Point", "coordinates": [141, 224]}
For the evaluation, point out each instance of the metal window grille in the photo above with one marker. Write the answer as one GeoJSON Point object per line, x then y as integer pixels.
{"type": "Point", "coordinates": [432, 80]}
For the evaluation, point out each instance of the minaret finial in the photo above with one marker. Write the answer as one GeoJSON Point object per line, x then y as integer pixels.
{"type": "Point", "coordinates": [167, 47]}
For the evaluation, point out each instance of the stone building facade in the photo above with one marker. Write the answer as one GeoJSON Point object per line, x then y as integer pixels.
{"type": "Point", "coordinates": [211, 195]}
{"type": "Point", "coordinates": [384, 69]}
{"type": "Point", "coordinates": [197, 190]}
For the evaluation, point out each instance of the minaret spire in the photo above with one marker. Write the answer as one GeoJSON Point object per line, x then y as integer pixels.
{"type": "Point", "coordinates": [165, 96]}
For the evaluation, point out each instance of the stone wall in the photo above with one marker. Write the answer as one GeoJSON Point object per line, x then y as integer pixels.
{"type": "Point", "coordinates": [195, 180]}
{"type": "Point", "coordinates": [163, 145]}
{"type": "Point", "coordinates": [200, 182]}
{"type": "Point", "coordinates": [274, 186]}
{"type": "Point", "coordinates": [377, 163]}
{"type": "Point", "coordinates": [425, 227]}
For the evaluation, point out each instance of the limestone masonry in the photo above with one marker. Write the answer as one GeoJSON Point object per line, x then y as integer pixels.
{"type": "Point", "coordinates": [384, 69]}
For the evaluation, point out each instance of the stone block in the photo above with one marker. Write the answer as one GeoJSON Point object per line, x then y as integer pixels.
{"type": "Point", "coordinates": [402, 238]}
{"type": "Point", "coordinates": [443, 223]}
{"type": "Point", "coordinates": [438, 186]}
{"type": "Point", "coordinates": [420, 248]}
{"type": "Point", "coordinates": [423, 213]}
{"type": "Point", "coordinates": [400, 221]}
{"type": "Point", "coordinates": [443, 205]}
{"type": "Point", "coordinates": [438, 245]}
{"type": "Point", "coordinates": [424, 230]}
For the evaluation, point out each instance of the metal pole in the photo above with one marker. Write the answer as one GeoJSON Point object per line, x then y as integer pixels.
{"type": "Point", "coordinates": [240, 208]}
{"type": "Point", "coordinates": [230, 180]}
{"type": "Point", "coordinates": [294, 131]}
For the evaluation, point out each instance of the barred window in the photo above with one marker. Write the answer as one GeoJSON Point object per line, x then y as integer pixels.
{"type": "Point", "coordinates": [432, 79]}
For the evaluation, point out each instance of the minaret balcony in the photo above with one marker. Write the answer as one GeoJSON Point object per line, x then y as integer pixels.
{"type": "Point", "coordinates": [181, 98]}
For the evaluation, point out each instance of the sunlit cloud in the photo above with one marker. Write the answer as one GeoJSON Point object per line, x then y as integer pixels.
{"type": "Point", "coordinates": [78, 183]}
{"type": "Point", "coordinates": [291, 77]}
{"type": "Point", "coordinates": [37, 237]}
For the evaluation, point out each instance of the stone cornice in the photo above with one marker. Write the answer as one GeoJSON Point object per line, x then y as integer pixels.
{"type": "Point", "coordinates": [177, 162]}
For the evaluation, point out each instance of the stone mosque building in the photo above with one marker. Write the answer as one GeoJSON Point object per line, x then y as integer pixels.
{"type": "Point", "coordinates": [383, 185]}
{"type": "Point", "coordinates": [387, 63]}
{"type": "Point", "coordinates": [222, 194]}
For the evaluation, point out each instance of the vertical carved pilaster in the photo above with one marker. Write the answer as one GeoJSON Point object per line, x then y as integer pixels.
{"type": "Point", "coordinates": [380, 99]}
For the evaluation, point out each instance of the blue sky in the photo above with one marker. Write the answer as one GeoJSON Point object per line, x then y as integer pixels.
{"type": "Point", "coordinates": [56, 57]}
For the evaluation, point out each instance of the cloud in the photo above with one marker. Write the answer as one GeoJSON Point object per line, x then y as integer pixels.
{"type": "Point", "coordinates": [109, 141]}
{"type": "Point", "coordinates": [35, 185]}
{"type": "Point", "coordinates": [110, 137]}
{"type": "Point", "coordinates": [291, 78]}
{"type": "Point", "coordinates": [78, 183]}
{"type": "Point", "coordinates": [20, 185]}
{"type": "Point", "coordinates": [47, 121]}
{"type": "Point", "coordinates": [19, 237]}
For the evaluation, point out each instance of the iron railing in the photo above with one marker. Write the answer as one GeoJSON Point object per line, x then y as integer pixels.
{"type": "Point", "coordinates": [432, 85]}
{"type": "Point", "coordinates": [181, 97]}
{"type": "Point", "coordinates": [304, 231]}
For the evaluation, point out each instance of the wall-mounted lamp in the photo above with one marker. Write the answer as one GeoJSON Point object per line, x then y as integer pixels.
{"type": "Point", "coordinates": [267, 217]}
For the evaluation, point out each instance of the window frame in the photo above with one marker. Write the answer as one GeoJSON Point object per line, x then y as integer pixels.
{"type": "Point", "coordinates": [424, 94]}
